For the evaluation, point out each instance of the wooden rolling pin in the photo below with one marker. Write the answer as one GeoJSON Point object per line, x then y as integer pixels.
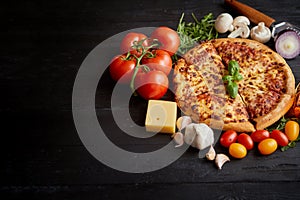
{"type": "Point", "coordinates": [254, 15]}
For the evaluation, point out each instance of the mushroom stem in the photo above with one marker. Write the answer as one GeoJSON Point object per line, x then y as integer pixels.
{"type": "Point", "coordinates": [235, 33]}
{"type": "Point", "coordinates": [261, 27]}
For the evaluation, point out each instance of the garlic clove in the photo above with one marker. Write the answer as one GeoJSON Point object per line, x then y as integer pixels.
{"type": "Point", "coordinates": [183, 121]}
{"type": "Point", "coordinates": [178, 138]}
{"type": "Point", "coordinates": [211, 154]}
{"type": "Point", "coordinates": [221, 159]}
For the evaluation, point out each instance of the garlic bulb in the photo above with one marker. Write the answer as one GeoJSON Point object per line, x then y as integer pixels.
{"type": "Point", "coordinates": [199, 136]}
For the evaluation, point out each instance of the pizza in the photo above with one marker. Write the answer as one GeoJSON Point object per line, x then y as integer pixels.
{"type": "Point", "coordinates": [265, 93]}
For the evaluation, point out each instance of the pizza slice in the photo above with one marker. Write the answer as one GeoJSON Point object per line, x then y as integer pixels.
{"type": "Point", "coordinates": [200, 92]}
{"type": "Point", "coordinates": [267, 88]}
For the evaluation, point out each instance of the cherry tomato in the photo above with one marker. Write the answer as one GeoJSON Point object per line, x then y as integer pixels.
{"type": "Point", "coordinates": [237, 150]}
{"type": "Point", "coordinates": [121, 68]}
{"type": "Point", "coordinates": [128, 42]}
{"type": "Point", "coordinates": [291, 130]}
{"type": "Point", "coordinates": [245, 140]}
{"type": "Point", "coordinates": [151, 85]}
{"type": "Point", "coordinates": [168, 38]}
{"type": "Point", "coordinates": [228, 137]}
{"type": "Point", "coordinates": [259, 135]}
{"type": "Point", "coordinates": [280, 137]}
{"type": "Point", "coordinates": [158, 60]}
{"type": "Point", "coordinates": [267, 146]}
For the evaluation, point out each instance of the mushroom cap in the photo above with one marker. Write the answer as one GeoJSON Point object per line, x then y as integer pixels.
{"type": "Point", "coordinates": [261, 33]}
{"type": "Point", "coordinates": [241, 19]}
{"type": "Point", "coordinates": [223, 22]}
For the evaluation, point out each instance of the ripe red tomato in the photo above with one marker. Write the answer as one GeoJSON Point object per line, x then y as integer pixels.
{"type": "Point", "coordinates": [158, 60]}
{"type": "Point", "coordinates": [228, 137]}
{"type": "Point", "coordinates": [245, 140]}
{"type": "Point", "coordinates": [121, 68]}
{"type": "Point", "coordinates": [267, 146]}
{"type": "Point", "coordinates": [168, 38]}
{"type": "Point", "coordinates": [260, 135]}
{"type": "Point", "coordinates": [152, 84]}
{"type": "Point", "coordinates": [128, 42]}
{"type": "Point", "coordinates": [280, 137]}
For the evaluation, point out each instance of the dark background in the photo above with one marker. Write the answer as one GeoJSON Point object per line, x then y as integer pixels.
{"type": "Point", "coordinates": [43, 44]}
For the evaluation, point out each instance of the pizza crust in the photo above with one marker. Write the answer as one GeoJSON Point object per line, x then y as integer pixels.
{"type": "Point", "coordinates": [239, 127]}
{"type": "Point", "coordinates": [281, 109]}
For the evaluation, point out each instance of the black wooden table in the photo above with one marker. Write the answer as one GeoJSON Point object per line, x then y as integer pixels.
{"type": "Point", "coordinates": [43, 44]}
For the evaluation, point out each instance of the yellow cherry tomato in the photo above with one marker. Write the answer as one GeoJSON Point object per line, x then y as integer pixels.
{"type": "Point", "coordinates": [291, 130]}
{"type": "Point", "coordinates": [237, 150]}
{"type": "Point", "coordinates": [267, 146]}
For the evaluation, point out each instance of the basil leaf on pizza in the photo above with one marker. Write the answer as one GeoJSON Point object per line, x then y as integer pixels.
{"type": "Point", "coordinates": [232, 89]}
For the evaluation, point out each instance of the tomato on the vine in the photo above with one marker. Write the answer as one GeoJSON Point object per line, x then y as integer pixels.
{"type": "Point", "coordinates": [151, 85]}
{"type": "Point", "coordinates": [121, 68]}
{"type": "Point", "coordinates": [245, 140]}
{"type": "Point", "coordinates": [129, 41]}
{"type": "Point", "coordinates": [280, 137]}
{"type": "Point", "coordinates": [228, 137]}
{"type": "Point", "coordinates": [260, 135]}
{"type": "Point", "coordinates": [292, 130]}
{"type": "Point", "coordinates": [158, 60]}
{"type": "Point", "coordinates": [267, 146]}
{"type": "Point", "coordinates": [168, 38]}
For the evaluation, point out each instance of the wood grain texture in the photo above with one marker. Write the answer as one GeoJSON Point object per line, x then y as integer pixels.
{"type": "Point", "coordinates": [254, 15]}
{"type": "Point", "coordinates": [43, 45]}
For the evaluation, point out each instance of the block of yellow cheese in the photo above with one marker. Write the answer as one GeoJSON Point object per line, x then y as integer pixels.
{"type": "Point", "coordinates": [161, 116]}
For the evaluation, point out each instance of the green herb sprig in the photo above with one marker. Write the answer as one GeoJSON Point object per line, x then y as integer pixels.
{"type": "Point", "coordinates": [233, 76]}
{"type": "Point", "coordinates": [193, 32]}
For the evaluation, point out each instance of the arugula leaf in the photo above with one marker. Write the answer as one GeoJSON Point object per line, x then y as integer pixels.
{"type": "Point", "coordinates": [279, 125]}
{"type": "Point", "coordinates": [193, 32]}
{"type": "Point", "coordinates": [290, 145]}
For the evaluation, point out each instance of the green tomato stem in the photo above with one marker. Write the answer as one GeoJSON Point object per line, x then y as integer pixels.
{"type": "Point", "coordinates": [138, 46]}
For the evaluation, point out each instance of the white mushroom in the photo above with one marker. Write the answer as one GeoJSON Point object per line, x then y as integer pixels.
{"type": "Point", "coordinates": [260, 33]}
{"type": "Point", "coordinates": [221, 159]}
{"type": "Point", "coordinates": [241, 29]}
{"type": "Point", "coordinates": [241, 19]}
{"type": "Point", "coordinates": [199, 136]}
{"type": "Point", "coordinates": [183, 121]}
{"type": "Point", "coordinates": [223, 23]}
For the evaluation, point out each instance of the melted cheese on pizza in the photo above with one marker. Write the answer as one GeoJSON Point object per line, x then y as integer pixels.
{"type": "Point", "coordinates": [265, 93]}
